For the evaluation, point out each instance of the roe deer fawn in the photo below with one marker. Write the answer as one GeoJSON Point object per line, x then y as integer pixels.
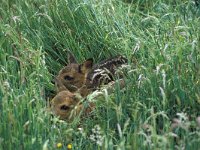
{"type": "Point", "coordinates": [66, 105]}
{"type": "Point", "coordinates": [87, 77]}
{"type": "Point", "coordinates": [73, 76]}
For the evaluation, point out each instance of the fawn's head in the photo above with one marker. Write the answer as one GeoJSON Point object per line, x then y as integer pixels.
{"type": "Point", "coordinates": [65, 105]}
{"type": "Point", "coordinates": [73, 76]}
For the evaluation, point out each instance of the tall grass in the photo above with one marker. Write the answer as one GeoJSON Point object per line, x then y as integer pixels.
{"type": "Point", "coordinates": [160, 39]}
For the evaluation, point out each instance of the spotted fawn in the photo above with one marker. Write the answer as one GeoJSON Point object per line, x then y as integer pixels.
{"type": "Point", "coordinates": [86, 77]}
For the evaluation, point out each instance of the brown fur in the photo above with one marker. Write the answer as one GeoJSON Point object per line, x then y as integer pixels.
{"type": "Point", "coordinates": [67, 106]}
{"type": "Point", "coordinates": [73, 76]}
{"type": "Point", "coordinates": [85, 78]}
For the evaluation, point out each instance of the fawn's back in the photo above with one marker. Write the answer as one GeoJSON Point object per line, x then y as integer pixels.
{"type": "Point", "coordinates": [104, 72]}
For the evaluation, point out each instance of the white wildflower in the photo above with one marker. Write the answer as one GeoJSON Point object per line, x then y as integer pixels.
{"type": "Point", "coordinates": [92, 138]}
{"type": "Point", "coordinates": [96, 135]}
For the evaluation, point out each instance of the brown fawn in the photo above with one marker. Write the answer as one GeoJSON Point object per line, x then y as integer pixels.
{"type": "Point", "coordinates": [73, 76]}
{"type": "Point", "coordinates": [83, 79]}
{"type": "Point", "coordinates": [66, 105]}
{"type": "Point", "coordinates": [86, 77]}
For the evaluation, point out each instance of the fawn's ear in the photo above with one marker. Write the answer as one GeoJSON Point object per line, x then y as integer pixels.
{"type": "Point", "coordinates": [86, 66]}
{"type": "Point", "coordinates": [71, 58]}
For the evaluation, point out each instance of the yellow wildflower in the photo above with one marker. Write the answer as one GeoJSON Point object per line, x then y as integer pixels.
{"type": "Point", "coordinates": [69, 146]}
{"type": "Point", "coordinates": [59, 145]}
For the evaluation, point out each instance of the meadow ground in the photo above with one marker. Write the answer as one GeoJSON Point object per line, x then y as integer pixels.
{"type": "Point", "coordinates": [159, 107]}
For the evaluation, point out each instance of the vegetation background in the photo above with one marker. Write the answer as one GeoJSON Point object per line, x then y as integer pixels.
{"type": "Point", "coordinates": [159, 107]}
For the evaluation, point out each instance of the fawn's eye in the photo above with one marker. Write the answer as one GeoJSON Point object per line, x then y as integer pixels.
{"type": "Point", "coordinates": [68, 77]}
{"type": "Point", "coordinates": [64, 107]}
